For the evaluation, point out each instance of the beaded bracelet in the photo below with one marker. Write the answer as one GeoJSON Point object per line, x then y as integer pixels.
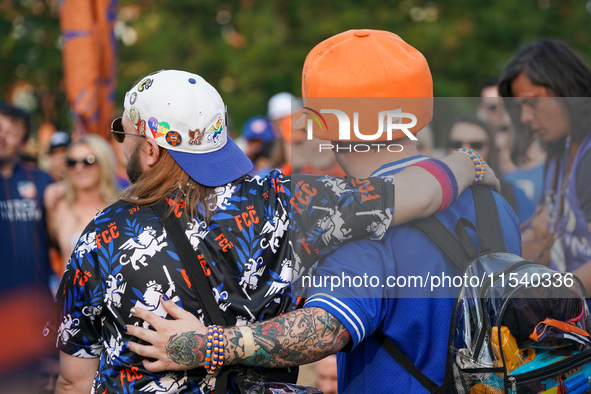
{"type": "Point", "coordinates": [479, 163]}
{"type": "Point", "coordinates": [207, 362]}
{"type": "Point", "coordinates": [214, 354]}
{"type": "Point", "coordinates": [220, 352]}
{"type": "Point", "coordinates": [221, 347]}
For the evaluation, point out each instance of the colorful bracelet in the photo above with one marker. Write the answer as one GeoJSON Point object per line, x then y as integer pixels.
{"type": "Point", "coordinates": [221, 347]}
{"type": "Point", "coordinates": [207, 362]}
{"type": "Point", "coordinates": [479, 163]}
{"type": "Point", "coordinates": [214, 354]}
{"type": "Point", "coordinates": [445, 177]}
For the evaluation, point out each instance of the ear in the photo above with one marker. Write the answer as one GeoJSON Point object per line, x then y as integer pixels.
{"type": "Point", "coordinates": [153, 154]}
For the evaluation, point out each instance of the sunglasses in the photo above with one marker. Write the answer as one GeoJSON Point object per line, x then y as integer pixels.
{"type": "Point", "coordinates": [88, 161]}
{"type": "Point", "coordinates": [476, 145]}
{"type": "Point", "coordinates": [118, 131]}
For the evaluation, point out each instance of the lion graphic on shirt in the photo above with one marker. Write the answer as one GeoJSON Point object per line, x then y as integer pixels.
{"type": "Point", "coordinates": [146, 246]}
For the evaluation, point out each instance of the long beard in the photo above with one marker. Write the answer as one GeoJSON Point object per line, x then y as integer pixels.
{"type": "Point", "coordinates": [134, 168]}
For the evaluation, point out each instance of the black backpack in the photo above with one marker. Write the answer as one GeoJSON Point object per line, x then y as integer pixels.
{"type": "Point", "coordinates": [525, 330]}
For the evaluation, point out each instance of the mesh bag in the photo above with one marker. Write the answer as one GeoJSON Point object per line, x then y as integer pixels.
{"type": "Point", "coordinates": [494, 341]}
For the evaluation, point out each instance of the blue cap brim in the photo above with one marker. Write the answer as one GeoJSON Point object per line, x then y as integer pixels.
{"type": "Point", "coordinates": [215, 168]}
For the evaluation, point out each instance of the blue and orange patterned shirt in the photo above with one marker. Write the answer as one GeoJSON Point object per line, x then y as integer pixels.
{"type": "Point", "coordinates": [263, 234]}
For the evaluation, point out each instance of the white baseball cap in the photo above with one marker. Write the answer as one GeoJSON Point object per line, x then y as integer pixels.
{"type": "Point", "coordinates": [186, 115]}
{"type": "Point", "coordinates": [279, 105]}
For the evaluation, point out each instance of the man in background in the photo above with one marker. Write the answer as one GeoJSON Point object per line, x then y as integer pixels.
{"type": "Point", "coordinates": [23, 233]}
{"type": "Point", "coordinates": [24, 260]}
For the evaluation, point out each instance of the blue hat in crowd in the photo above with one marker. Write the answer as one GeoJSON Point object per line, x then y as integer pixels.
{"type": "Point", "coordinates": [258, 128]}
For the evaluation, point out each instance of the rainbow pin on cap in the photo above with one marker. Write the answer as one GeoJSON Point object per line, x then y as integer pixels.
{"type": "Point", "coordinates": [184, 114]}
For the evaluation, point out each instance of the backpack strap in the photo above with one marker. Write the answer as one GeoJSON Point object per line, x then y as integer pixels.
{"type": "Point", "coordinates": [397, 354]}
{"type": "Point", "coordinates": [466, 241]}
{"type": "Point", "coordinates": [202, 290]}
{"type": "Point", "coordinates": [188, 257]}
{"type": "Point", "coordinates": [444, 239]}
{"type": "Point", "coordinates": [199, 283]}
{"type": "Point", "coordinates": [488, 229]}
{"type": "Point", "coordinates": [487, 217]}
{"type": "Point", "coordinates": [458, 249]}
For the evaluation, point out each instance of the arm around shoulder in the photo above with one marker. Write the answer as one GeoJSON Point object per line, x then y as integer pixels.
{"type": "Point", "coordinates": [420, 192]}
{"type": "Point", "coordinates": [299, 337]}
{"type": "Point", "coordinates": [295, 338]}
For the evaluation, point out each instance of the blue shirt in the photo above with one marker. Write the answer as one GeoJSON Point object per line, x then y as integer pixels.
{"type": "Point", "coordinates": [524, 208]}
{"type": "Point", "coordinates": [24, 241]}
{"type": "Point", "coordinates": [416, 319]}
{"type": "Point", "coordinates": [531, 181]}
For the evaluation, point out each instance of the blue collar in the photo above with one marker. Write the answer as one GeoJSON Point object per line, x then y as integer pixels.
{"type": "Point", "coordinates": [396, 166]}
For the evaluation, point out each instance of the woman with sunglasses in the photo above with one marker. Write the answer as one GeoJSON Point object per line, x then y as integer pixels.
{"type": "Point", "coordinates": [89, 187]}
{"type": "Point", "coordinates": [472, 133]}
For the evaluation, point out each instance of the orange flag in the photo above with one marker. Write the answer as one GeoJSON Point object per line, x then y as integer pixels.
{"type": "Point", "coordinates": [90, 64]}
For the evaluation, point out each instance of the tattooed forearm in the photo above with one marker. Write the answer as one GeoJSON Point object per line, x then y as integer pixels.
{"type": "Point", "coordinates": [295, 338]}
{"type": "Point", "coordinates": [187, 348]}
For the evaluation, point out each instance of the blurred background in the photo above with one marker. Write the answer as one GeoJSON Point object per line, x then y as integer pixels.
{"type": "Point", "coordinates": [252, 49]}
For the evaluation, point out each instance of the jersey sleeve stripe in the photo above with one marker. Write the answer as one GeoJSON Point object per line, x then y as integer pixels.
{"type": "Point", "coordinates": [359, 328]}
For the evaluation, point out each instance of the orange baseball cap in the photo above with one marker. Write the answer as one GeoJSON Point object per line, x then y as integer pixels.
{"type": "Point", "coordinates": [362, 64]}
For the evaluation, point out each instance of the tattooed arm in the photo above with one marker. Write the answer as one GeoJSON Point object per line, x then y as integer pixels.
{"type": "Point", "coordinates": [294, 338]}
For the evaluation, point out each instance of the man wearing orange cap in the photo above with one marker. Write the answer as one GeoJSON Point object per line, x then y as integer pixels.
{"type": "Point", "coordinates": [380, 68]}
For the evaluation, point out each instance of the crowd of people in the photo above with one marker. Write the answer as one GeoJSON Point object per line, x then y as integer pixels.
{"type": "Point", "coordinates": [262, 210]}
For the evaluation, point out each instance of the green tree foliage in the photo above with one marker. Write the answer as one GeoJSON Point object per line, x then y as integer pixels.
{"type": "Point", "coordinates": [30, 54]}
{"type": "Point", "coordinates": [251, 49]}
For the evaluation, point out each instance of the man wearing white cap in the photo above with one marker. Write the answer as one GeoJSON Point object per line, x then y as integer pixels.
{"type": "Point", "coordinates": [279, 106]}
{"type": "Point", "coordinates": [174, 136]}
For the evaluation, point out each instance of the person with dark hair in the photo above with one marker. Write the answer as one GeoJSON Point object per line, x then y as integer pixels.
{"type": "Point", "coordinates": [24, 261]}
{"type": "Point", "coordinates": [523, 169]}
{"type": "Point", "coordinates": [23, 231]}
{"type": "Point", "coordinates": [472, 133]}
{"type": "Point", "coordinates": [549, 86]}
{"type": "Point", "coordinates": [181, 163]}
